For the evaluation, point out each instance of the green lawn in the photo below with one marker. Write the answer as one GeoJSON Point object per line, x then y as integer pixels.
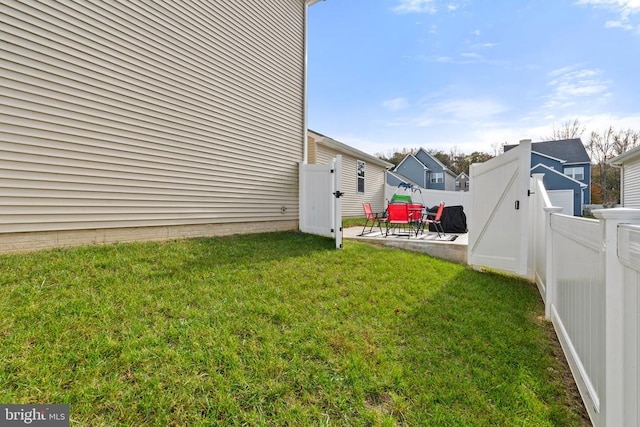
{"type": "Point", "coordinates": [275, 329]}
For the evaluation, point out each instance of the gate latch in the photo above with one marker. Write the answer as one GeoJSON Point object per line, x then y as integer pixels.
{"type": "Point", "coordinates": [338, 194]}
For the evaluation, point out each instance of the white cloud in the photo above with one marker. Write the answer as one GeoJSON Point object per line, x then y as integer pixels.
{"type": "Point", "coordinates": [626, 9]}
{"type": "Point", "coordinates": [396, 104]}
{"type": "Point", "coordinates": [471, 55]}
{"type": "Point", "coordinates": [569, 83]}
{"type": "Point", "coordinates": [463, 110]}
{"type": "Point", "coordinates": [415, 6]}
{"type": "Point", "coordinates": [618, 24]}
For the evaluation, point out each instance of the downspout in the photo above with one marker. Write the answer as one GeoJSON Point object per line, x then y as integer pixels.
{"type": "Point", "coordinates": [305, 120]}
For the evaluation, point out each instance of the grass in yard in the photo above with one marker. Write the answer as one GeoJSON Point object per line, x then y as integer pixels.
{"type": "Point", "coordinates": [275, 329]}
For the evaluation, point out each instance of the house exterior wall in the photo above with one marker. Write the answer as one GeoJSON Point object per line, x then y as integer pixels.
{"type": "Point", "coordinates": [559, 181]}
{"type": "Point", "coordinates": [414, 170]}
{"type": "Point", "coordinates": [448, 182]}
{"type": "Point", "coordinates": [631, 184]}
{"type": "Point", "coordinates": [163, 114]}
{"type": "Point", "coordinates": [586, 180]}
{"type": "Point", "coordinates": [374, 182]}
{"type": "Point", "coordinates": [462, 183]}
{"type": "Point", "coordinates": [537, 159]}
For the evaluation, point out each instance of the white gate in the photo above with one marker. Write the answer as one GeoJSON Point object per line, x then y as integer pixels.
{"type": "Point", "coordinates": [498, 228]}
{"type": "Point", "coordinates": [320, 202]}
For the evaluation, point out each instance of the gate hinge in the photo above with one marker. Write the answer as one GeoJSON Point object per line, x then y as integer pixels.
{"type": "Point", "coordinates": [338, 194]}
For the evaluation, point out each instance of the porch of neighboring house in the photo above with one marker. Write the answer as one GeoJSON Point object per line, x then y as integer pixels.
{"type": "Point", "coordinates": [428, 243]}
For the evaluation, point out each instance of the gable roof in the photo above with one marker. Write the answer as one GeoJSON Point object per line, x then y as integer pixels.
{"type": "Point", "coordinates": [435, 159]}
{"type": "Point", "coordinates": [552, 170]}
{"type": "Point", "coordinates": [402, 178]}
{"type": "Point", "coordinates": [569, 150]}
{"type": "Point", "coordinates": [411, 156]}
{"type": "Point", "coordinates": [342, 147]}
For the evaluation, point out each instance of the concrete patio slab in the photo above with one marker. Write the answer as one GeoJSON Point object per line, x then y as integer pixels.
{"type": "Point", "coordinates": [427, 243]}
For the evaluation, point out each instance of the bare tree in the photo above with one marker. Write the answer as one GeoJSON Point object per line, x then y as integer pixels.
{"type": "Point", "coordinates": [569, 130]}
{"type": "Point", "coordinates": [625, 140]}
{"type": "Point", "coordinates": [498, 148]}
{"type": "Point", "coordinates": [601, 149]}
{"type": "Point", "coordinates": [395, 156]}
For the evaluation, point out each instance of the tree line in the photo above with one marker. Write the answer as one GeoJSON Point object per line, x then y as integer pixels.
{"type": "Point", "coordinates": [455, 160]}
{"type": "Point", "coordinates": [602, 146]}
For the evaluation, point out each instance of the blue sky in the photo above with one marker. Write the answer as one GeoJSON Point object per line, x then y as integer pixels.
{"type": "Point", "coordinates": [388, 74]}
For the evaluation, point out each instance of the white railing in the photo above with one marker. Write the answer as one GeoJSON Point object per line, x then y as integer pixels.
{"type": "Point", "coordinates": [588, 272]}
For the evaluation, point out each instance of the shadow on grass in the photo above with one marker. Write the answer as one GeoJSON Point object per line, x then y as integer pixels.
{"type": "Point", "coordinates": [488, 356]}
{"type": "Point", "coordinates": [274, 329]}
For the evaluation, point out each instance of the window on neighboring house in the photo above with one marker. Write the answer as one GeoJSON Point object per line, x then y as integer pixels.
{"type": "Point", "coordinates": [466, 184]}
{"type": "Point", "coordinates": [437, 177]}
{"type": "Point", "coordinates": [457, 185]}
{"type": "Point", "coordinates": [576, 173]}
{"type": "Point", "coordinates": [360, 173]}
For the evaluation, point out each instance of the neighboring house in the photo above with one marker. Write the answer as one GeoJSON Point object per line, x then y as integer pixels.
{"type": "Point", "coordinates": [426, 170]}
{"type": "Point", "coordinates": [462, 182]}
{"type": "Point", "coordinates": [566, 166]}
{"type": "Point", "coordinates": [629, 164]}
{"type": "Point", "coordinates": [363, 175]}
{"type": "Point", "coordinates": [145, 121]}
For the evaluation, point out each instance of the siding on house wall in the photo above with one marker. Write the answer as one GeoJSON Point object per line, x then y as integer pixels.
{"type": "Point", "coordinates": [311, 150]}
{"type": "Point", "coordinates": [449, 182]}
{"type": "Point", "coordinates": [558, 181]}
{"type": "Point", "coordinates": [587, 178]}
{"type": "Point", "coordinates": [631, 183]}
{"type": "Point", "coordinates": [538, 159]}
{"type": "Point", "coordinates": [414, 170]}
{"type": "Point", "coordinates": [374, 182]}
{"type": "Point", "coordinates": [137, 114]}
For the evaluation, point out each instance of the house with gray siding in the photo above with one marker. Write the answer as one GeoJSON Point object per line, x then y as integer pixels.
{"type": "Point", "coordinates": [425, 170]}
{"type": "Point", "coordinates": [567, 166]}
{"type": "Point", "coordinates": [149, 120]}
{"type": "Point", "coordinates": [363, 175]}
{"type": "Point", "coordinates": [629, 164]}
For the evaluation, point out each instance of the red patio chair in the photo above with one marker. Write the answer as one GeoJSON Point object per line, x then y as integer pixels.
{"type": "Point", "coordinates": [415, 215]}
{"type": "Point", "coordinates": [435, 220]}
{"type": "Point", "coordinates": [372, 219]}
{"type": "Point", "coordinates": [398, 215]}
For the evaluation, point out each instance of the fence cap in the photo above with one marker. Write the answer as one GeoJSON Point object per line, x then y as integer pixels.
{"type": "Point", "coordinates": [618, 214]}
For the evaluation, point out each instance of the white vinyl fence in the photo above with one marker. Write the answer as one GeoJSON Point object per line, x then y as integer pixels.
{"type": "Point", "coordinates": [432, 198]}
{"type": "Point", "coordinates": [588, 272]}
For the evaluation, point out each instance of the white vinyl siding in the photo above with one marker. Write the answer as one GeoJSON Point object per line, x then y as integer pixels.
{"type": "Point", "coordinates": [121, 114]}
{"type": "Point", "coordinates": [631, 183]}
{"type": "Point", "coordinates": [352, 200]}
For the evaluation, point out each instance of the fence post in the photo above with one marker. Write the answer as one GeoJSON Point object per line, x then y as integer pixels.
{"type": "Point", "coordinates": [613, 407]}
{"type": "Point", "coordinates": [550, 276]}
